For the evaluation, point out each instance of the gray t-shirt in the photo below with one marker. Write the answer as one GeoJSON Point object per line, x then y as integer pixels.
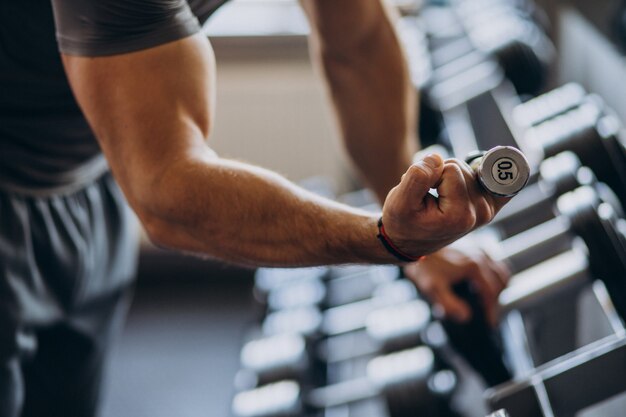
{"type": "Point", "coordinates": [46, 145]}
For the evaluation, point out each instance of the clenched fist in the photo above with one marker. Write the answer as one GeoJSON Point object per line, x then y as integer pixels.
{"type": "Point", "coordinates": [419, 223]}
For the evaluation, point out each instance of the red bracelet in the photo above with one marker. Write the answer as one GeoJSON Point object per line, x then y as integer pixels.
{"type": "Point", "coordinates": [391, 247]}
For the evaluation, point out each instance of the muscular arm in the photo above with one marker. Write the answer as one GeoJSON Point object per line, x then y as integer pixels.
{"type": "Point", "coordinates": [152, 112]}
{"type": "Point", "coordinates": [365, 68]}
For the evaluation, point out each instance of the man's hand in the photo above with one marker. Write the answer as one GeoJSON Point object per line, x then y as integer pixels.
{"type": "Point", "coordinates": [419, 223]}
{"type": "Point", "coordinates": [436, 274]}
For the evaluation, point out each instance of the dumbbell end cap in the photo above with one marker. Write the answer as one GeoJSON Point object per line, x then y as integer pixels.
{"type": "Point", "coordinates": [503, 171]}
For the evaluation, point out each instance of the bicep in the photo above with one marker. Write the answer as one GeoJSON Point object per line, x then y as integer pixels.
{"type": "Point", "coordinates": [147, 108]}
{"type": "Point", "coordinates": [142, 73]}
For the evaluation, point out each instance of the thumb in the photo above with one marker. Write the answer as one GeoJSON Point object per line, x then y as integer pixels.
{"type": "Point", "coordinates": [421, 177]}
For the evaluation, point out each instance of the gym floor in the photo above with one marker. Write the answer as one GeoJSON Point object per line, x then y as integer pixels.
{"type": "Point", "coordinates": [179, 351]}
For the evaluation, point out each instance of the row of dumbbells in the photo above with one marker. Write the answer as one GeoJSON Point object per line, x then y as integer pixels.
{"type": "Point", "coordinates": [331, 325]}
{"type": "Point", "coordinates": [351, 350]}
{"type": "Point", "coordinates": [459, 49]}
{"type": "Point", "coordinates": [342, 341]}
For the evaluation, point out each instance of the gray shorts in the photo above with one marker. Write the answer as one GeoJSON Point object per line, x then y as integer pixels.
{"type": "Point", "coordinates": [66, 265]}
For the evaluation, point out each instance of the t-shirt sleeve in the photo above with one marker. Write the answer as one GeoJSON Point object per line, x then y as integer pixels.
{"type": "Point", "coordinates": [110, 27]}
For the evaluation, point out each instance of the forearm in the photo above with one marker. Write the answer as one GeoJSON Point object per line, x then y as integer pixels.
{"type": "Point", "coordinates": [373, 98]}
{"type": "Point", "coordinates": [248, 215]}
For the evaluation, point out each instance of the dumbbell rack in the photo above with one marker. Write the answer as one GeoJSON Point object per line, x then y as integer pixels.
{"type": "Point", "coordinates": [567, 353]}
{"type": "Point", "coordinates": [475, 121]}
{"type": "Point", "coordinates": [578, 380]}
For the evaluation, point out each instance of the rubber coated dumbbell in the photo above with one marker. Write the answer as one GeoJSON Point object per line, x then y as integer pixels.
{"type": "Point", "coordinates": [520, 46]}
{"type": "Point", "coordinates": [266, 280]}
{"type": "Point", "coordinates": [594, 137]}
{"type": "Point", "coordinates": [461, 72]}
{"type": "Point", "coordinates": [603, 256]}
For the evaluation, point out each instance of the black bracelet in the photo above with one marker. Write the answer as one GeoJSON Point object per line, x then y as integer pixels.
{"type": "Point", "coordinates": [391, 248]}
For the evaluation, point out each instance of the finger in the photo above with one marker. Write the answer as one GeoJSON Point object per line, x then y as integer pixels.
{"type": "Point", "coordinates": [467, 170]}
{"type": "Point", "coordinates": [486, 204]}
{"type": "Point", "coordinates": [420, 178]}
{"type": "Point", "coordinates": [454, 198]}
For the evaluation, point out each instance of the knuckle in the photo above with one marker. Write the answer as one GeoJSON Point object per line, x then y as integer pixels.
{"type": "Point", "coordinates": [418, 170]}
{"type": "Point", "coordinates": [453, 169]}
{"type": "Point", "coordinates": [485, 212]}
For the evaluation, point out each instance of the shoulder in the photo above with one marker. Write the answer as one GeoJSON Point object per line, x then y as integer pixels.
{"type": "Point", "coordinates": [110, 27]}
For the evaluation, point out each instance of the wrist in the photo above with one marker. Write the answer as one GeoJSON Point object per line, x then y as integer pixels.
{"type": "Point", "coordinates": [392, 248]}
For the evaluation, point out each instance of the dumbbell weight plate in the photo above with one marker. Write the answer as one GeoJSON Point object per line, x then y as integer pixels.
{"type": "Point", "coordinates": [503, 171]}
{"type": "Point", "coordinates": [606, 248]}
{"type": "Point", "coordinates": [595, 138]}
